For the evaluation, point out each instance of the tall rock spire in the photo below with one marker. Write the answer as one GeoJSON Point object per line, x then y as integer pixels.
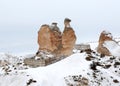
{"type": "Point", "coordinates": [68, 38]}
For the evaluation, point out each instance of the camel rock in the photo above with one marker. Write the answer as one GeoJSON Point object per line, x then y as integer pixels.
{"type": "Point", "coordinates": [51, 39]}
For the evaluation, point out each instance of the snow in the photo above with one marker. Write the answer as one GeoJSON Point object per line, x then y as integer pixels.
{"type": "Point", "coordinates": [55, 73]}
{"type": "Point", "coordinates": [61, 72]}
{"type": "Point", "coordinates": [9, 58]}
{"type": "Point", "coordinates": [52, 75]}
{"type": "Point", "coordinates": [93, 45]}
{"type": "Point", "coordinates": [107, 33]}
{"type": "Point", "coordinates": [113, 47]}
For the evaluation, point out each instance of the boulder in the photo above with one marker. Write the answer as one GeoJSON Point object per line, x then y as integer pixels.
{"type": "Point", "coordinates": [104, 36]}
{"type": "Point", "coordinates": [68, 39]}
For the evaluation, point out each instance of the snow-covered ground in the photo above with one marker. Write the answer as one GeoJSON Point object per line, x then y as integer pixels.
{"type": "Point", "coordinates": [95, 69]}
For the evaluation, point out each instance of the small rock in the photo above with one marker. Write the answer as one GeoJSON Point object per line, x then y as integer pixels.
{"type": "Point", "coordinates": [115, 81]}
{"type": "Point", "coordinates": [31, 81]}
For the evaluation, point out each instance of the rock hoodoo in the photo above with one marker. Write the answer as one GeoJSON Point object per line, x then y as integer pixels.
{"type": "Point", "coordinates": [68, 38]}
{"type": "Point", "coordinates": [104, 36]}
{"type": "Point", "coordinates": [44, 38]}
{"type": "Point", "coordinates": [51, 39]}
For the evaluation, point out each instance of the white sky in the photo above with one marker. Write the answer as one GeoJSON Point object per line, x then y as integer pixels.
{"type": "Point", "coordinates": [20, 20]}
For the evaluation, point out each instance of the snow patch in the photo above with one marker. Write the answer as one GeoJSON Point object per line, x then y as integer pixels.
{"type": "Point", "coordinates": [113, 47]}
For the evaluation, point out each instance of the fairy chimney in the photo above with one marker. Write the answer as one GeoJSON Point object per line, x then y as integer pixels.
{"type": "Point", "coordinates": [104, 36]}
{"type": "Point", "coordinates": [56, 36]}
{"type": "Point", "coordinates": [68, 38]}
{"type": "Point", "coordinates": [44, 38]}
{"type": "Point", "coordinates": [49, 38]}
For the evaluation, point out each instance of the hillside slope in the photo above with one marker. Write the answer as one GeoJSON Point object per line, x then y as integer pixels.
{"type": "Point", "coordinates": [79, 69]}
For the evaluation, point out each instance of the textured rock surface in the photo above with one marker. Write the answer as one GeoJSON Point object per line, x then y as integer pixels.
{"type": "Point", "coordinates": [104, 36]}
{"type": "Point", "coordinates": [44, 38]}
{"type": "Point", "coordinates": [56, 36]}
{"type": "Point", "coordinates": [48, 38]}
{"type": "Point", "coordinates": [51, 39]}
{"type": "Point", "coordinates": [68, 39]}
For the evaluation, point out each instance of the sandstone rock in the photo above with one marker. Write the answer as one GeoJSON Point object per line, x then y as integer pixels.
{"type": "Point", "coordinates": [44, 38]}
{"type": "Point", "coordinates": [67, 22]}
{"type": "Point", "coordinates": [56, 36]}
{"type": "Point", "coordinates": [3, 63]}
{"type": "Point", "coordinates": [82, 47]}
{"type": "Point", "coordinates": [105, 36]}
{"type": "Point", "coordinates": [34, 63]}
{"type": "Point", "coordinates": [68, 39]}
{"type": "Point", "coordinates": [49, 37]}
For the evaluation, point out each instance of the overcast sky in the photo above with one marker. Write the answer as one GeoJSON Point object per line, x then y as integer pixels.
{"type": "Point", "coordinates": [21, 19]}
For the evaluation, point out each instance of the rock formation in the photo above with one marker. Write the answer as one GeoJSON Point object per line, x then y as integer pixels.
{"type": "Point", "coordinates": [104, 36]}
{"type": "Point", "coordinates": [44, 38]}
{"type": "Point", "coordinates": [55, 28]}
{"type": "Point", "coordinates": [49, 37]}
{"type": "Point", "coordinates": [56, 36]}
{"type": "Point", "coordinates": [68, 39]}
